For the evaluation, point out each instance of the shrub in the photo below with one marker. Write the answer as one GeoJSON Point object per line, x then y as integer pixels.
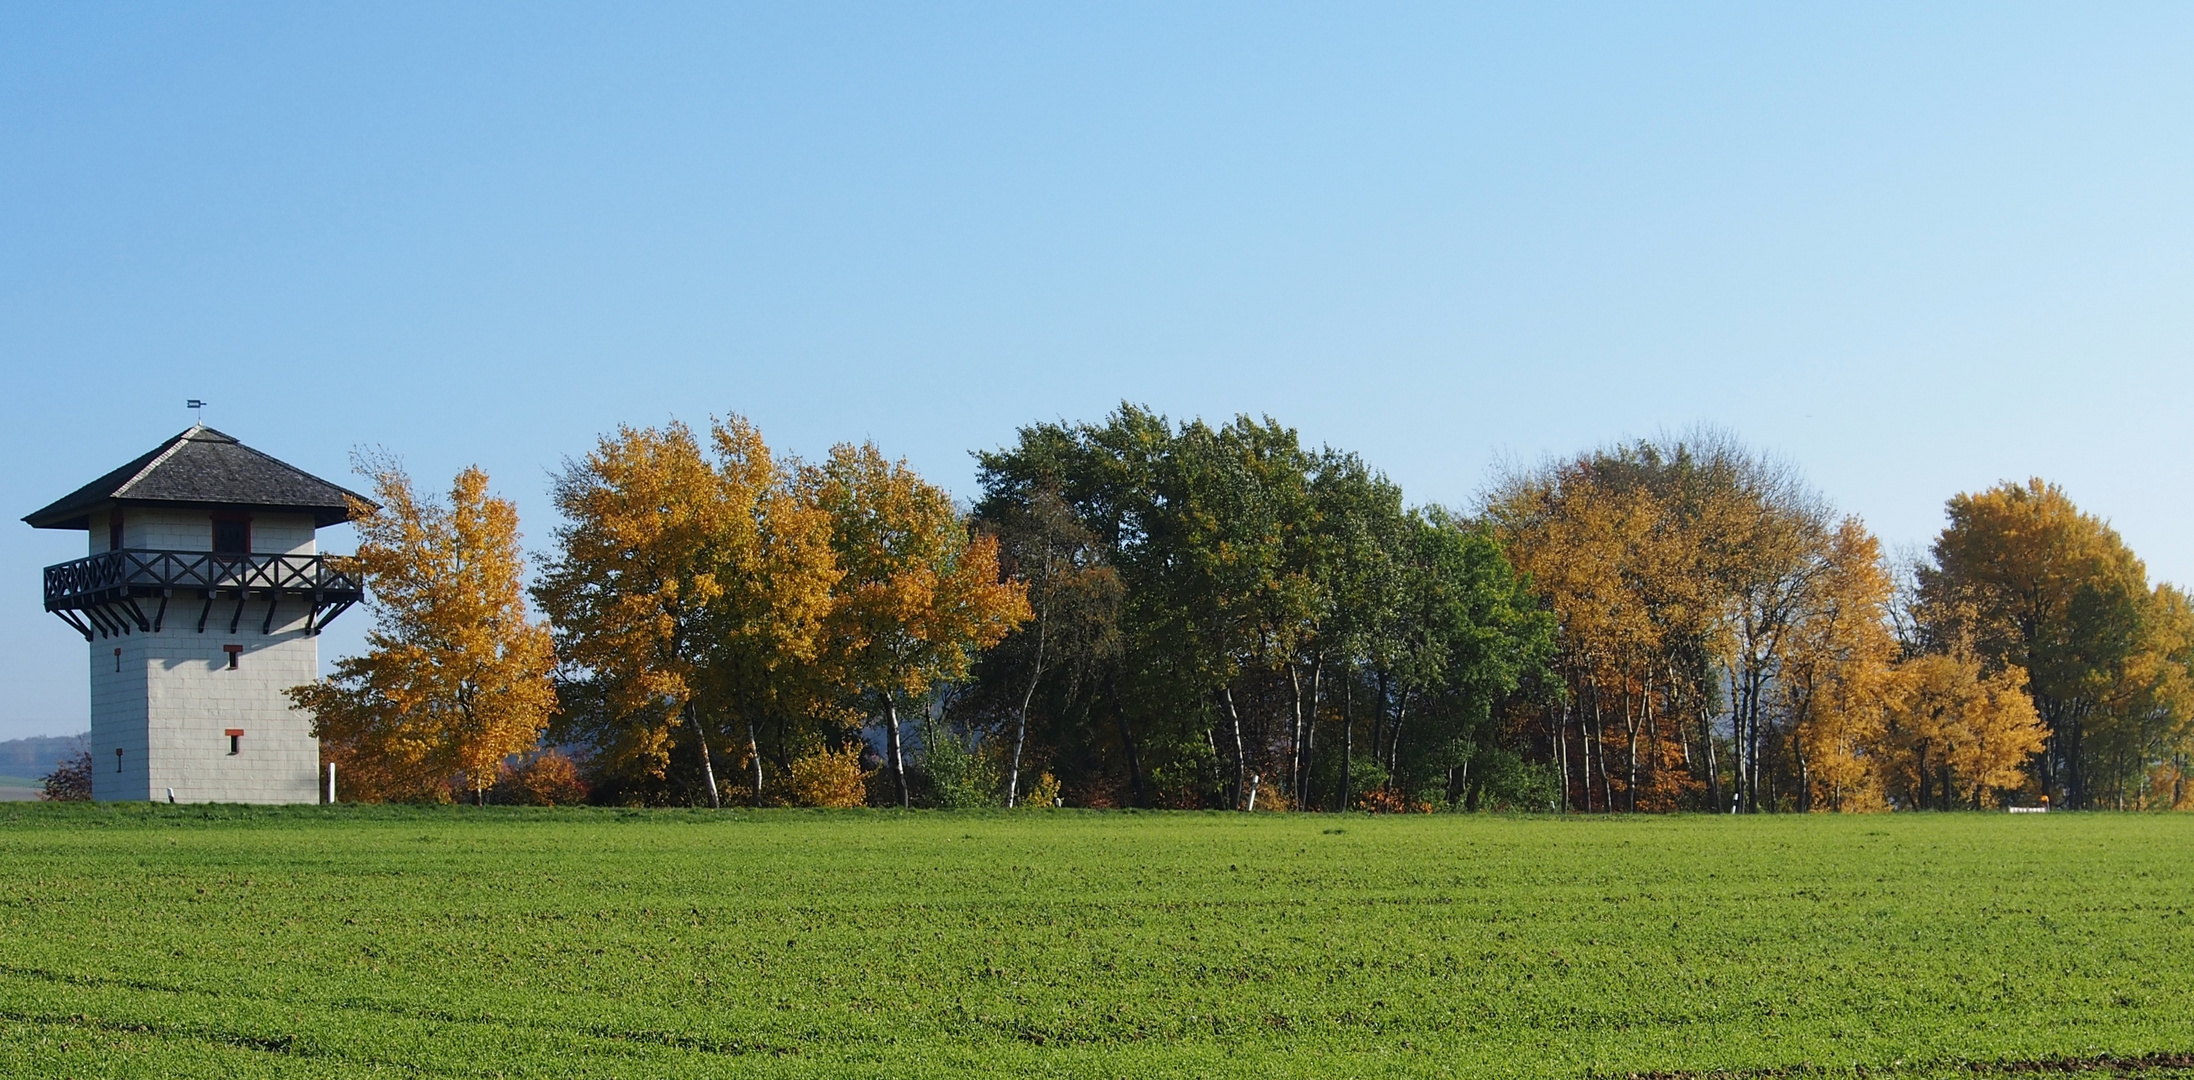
{"type": "Point", "coordinates": [1390, 801]}
{"type": "Point", "coordinates": [1512, 783]}
{"type": "Point", "coordinates": [960, 778]}
{"type": "Point", "coordinates": [1040, 793]}
{"type": "Point", "coordinates": [827, 777]}
{"type": "Point", "coordinates": [70, 781]}
{"type": "Point", "coordinates": [548, 778]}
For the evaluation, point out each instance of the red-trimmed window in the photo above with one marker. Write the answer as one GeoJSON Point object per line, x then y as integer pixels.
{"type": "Point", "coordinates": [236, 740]}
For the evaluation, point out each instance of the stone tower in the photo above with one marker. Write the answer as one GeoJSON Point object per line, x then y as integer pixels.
{"type": "Point", "coordinates": [201, 599]}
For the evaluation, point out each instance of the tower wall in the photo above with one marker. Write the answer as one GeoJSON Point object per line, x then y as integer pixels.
{"type": "Point", "coordinates": [168, 699]}
{"type": "Point", "coordinates": [192, 530]}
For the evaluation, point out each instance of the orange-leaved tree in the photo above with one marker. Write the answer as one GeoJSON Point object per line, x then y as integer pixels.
{"type": "Point", "coordinates": [684, 590]}
{"type": "Point", "coordinates": [921, 594]}
{"type": "Point", "coordinates": [454, 678]}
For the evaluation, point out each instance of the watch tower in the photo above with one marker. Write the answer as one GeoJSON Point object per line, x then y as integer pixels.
{"type": "Point", "coordinates": [201, 600]}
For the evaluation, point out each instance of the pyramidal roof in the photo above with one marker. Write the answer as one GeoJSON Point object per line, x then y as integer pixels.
{"type": "Point", "coordinates": [202, 468]}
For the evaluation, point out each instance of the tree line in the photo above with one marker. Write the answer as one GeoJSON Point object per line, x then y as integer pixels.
{"type": "Point", "coordinates": [1140, 612]}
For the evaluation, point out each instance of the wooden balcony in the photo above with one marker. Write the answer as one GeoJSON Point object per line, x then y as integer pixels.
{"type": "Point", "coordinates": [130, 591]}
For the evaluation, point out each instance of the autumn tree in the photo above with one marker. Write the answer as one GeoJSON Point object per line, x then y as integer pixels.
{"type": "Point", "coordinates": [1618, 546]}
{"type": "Point", "coordinates": [2138, 745]}
{"type": "Point", "coordinates": [1838, 675]}
{"type": "Point", "coordinates": [1716, 621]}
{"type": "Point", "coordinates": [1955, 732]}
{"type": "Point", "coordinates": [688, 591]}
{"type": "Point", "coordinates": [919, 594]}
{"type": "Point", "coordinates": [2032, 582]}
{"type": "Point", "coordinates": [765, 652]}
{"type": "Point", "coordinates": [455, 678]}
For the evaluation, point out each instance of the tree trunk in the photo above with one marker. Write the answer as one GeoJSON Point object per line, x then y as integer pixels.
{"type": "Point", "coordinates": [1310, 736]}
{"type": "Point", "coordinates": [898, 755]}
{"type": "Point", "coordinates": [708, 767]}
{"type": "Point", "coordinates": [1394, 741]}
{"type": "Point", "coordinates": [1747, 760]}
{"type": "Point", "coordinates": [1599, 750]}
{"type": "Point", "coordinates": [1295, 731]}
{"type": "Point", "coordinates": [1241, 757]}
{"type": "Point", "coordinates": [1805, 773]}
{"type": "Point", "coordinates": [1630, 724]}
{"type": "Point", "coordinates": [754, 753]}
{"type": "Point", "coordinates": [1757, 683]}
{"type": "Point", "coordinates": [1713, 758]}
{"type": "Point", "coordinates": [1020, 721]}
{"type": "Point", "coordinates": [1348, 733]}
{"type": "Point", "coordinates": [1561, 752]}
{"type": "Point", "coordinates": [1378, 721]}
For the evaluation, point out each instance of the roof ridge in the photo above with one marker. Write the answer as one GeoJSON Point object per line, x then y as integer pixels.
{"type": "Point", "coordinates": [174, 444]}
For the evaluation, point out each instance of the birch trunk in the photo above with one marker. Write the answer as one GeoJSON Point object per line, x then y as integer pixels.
{"type": "Point", "coordinates": [1241, 757]}
{"type": "Point", "coordinates": [898, 755]}
{"type": "Point", "coordinates": [708, 767]}
{"type": "Point", "coordinates": [754, 753]}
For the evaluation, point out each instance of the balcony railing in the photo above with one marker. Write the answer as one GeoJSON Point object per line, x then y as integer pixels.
{"type": "Point", "coordinates": [120, 592]}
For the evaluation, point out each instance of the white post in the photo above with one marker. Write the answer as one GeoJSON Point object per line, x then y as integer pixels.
{"type": "Point", "coordinates": [331, 783]}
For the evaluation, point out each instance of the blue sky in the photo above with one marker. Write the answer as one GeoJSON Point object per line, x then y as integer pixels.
{"type": "Point", "coordinates": [1913, 251]}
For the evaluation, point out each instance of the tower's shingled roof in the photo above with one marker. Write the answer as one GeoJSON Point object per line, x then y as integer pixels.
{"type": "Point", "coordinates": [202, 468]}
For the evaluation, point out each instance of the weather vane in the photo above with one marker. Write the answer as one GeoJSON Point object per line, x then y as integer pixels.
{"type": "Point", "coordinates": [197, 412]}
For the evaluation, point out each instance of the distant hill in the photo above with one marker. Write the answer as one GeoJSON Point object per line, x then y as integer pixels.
{"type": "Point", "coordinates": [36, 756]}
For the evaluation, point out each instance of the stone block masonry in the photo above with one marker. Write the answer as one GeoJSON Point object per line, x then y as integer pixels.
{"type": "Point", "coordinates": [168, 700]}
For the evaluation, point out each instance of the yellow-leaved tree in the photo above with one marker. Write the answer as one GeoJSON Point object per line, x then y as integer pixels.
{"type": "Point", "coordinates": [766, 628]}
{"type": "Point", "coordinates": [454, 678]}
{"type": "Point", "coordinates": [2140, 744]}
{"type": "Point", "coordinates": [2024, 578]}
{"type": "Point", "coordinates": [1838, 675]}
{"type": "Point", "coordinates": [1956, 733]}
{"type": "Point", "coordinates": [920, 595]}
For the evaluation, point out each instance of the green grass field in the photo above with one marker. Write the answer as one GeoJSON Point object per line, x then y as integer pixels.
{"type": "Point", "coordinates": [181, 941]}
